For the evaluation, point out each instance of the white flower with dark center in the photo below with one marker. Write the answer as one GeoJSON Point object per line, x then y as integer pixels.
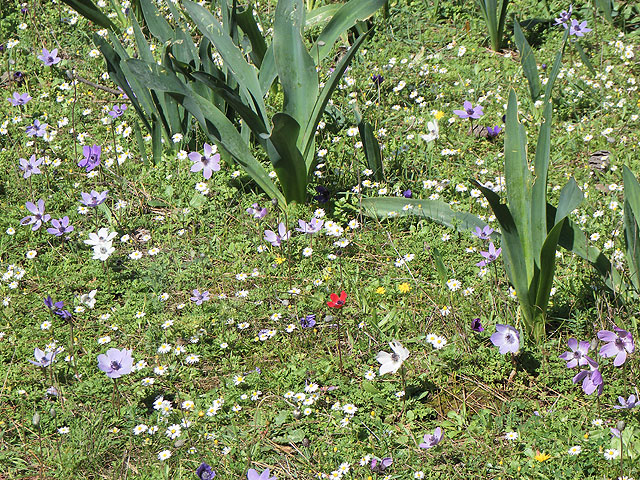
{"type": "Point", "coordinates": [391, 362]}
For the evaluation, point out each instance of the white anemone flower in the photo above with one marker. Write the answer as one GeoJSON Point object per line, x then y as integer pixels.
{"type": "Point", "coordinates": [102, 237]}
{"type": "Point", "coordinates": [89, 299]}
{"type": "Point", "coordinates": [391, 362]}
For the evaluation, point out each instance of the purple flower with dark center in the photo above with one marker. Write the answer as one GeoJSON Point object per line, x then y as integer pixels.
{"type": "Point", "coordinates": [578, 354]}
{"type": "Point", "coordinates": [493, 132]}
{"type": "Point", "coordinates": [49, 57]}
{"type": "Point", "coordinates": [60, 227]}
{"type": "Point", "coordinates": [309, 321]}
{"type": "Point", "coordinates": [64, 314]}
{"type": "Point", "coordinates": [469, 111]}
{"type": "Point", "coordinates": [265, 475]}
{"type": "Point", "coordinates": [564, 18]}
{"type": "Point", "coordinates": [407, 194]}
{"type": "Point", "coordinates": [591, 379]}
{"type": "Point", "coordinates": [377, 79]}
{"type": "Point", "coordinates": [37, 129]}
{"type": "Point", "coordinates": [257, 212]}
{"type": "Point", "coordinates": [619, 344]}
{"type": "Point", "coordinates": [116, 363]}
{"type": "Point", "coordinates": [323, 194]}
{"type": "Point", "coordinates": [117, 111]}
{"type": "Point", "coordinates": [91, 157]}
{"type": "Point", "coordinates": [200, 297]}
{"type": "Point", "coordinates": [484, 234]}
{"type": "Point", "coordinates": [276, 239]}
{"type": "Point", "coordinates": [48, 302]}
{"type": "Point", "coordinates": [476, 325]}
{"type": "Point", "coordinates": [314, 226]}
{"type": "Point", "coordinates": [94, 198]}
{"type": "Point", "coordinates": [205, 472]}
{"type": "Point", "coordinates": [19, 99]}
{"type": "Point", "coordinates": [578, 29]}
{"type": "Point", "coordinates": [380, 466]}
{"type": "Point", "coordinates": [506, 338]}
{"type": "Point", "coordinates": [490, 256]}
{"type": "Point", "coordinates": [38, 216]}
{"type": "Point", "coordinates": [626, 404]}
{"type": "Point", "coordinates": [430, 441]}
{"type": "Point", "coordinates": [208, 163]}
{"type": "Point", "coordinates": [43, 359]}
{"type": "Point", "coordinates": [31, 166]}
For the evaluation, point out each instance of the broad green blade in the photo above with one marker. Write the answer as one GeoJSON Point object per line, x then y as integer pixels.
{"type": "Point", "coordinates": [296, 69]}
{"type": "Point", "coordinates": [584, 57]}
{"type": "Point", "coordinates": [518, 180]}
{"type": "Point", "coordinates": [321, 14]}
{"type": "Point", "coordinates": [570, 198]}
{"type": "Point", "coordinates": [539, 192]}
{"type": "Point", "coordinates": [91, 12]}
{"type": "Point", "coordinates": [631, 219]}
{"type": "Point", "coordinates": [528, 61]}
{"type": "Point", "coordinates": [348, 15]}
{"type": "Point", "coordinates": [440, 266]}
{"type": "Point", "coordinates": [268, 71]}
{"type": "Point", "coordinates": [555, 70]}
{"type": "Point", "coordinates": [249, 26]}
{"type": "Point", "coordinates": [156, 141]}
{"type": "Point", "coordinates": [156, 23]}
{"type": "Point", "coordinates": [631, 191]}
{"type": "Point", "coordinates": [144, 50]}
{"type": "Point", "coordinates": [372, 151]}
{"type": "Point", "coordinates": [288, 163]}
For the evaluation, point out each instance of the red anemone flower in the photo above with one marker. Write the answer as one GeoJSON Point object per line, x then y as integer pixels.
{"type": "Point", "coordinates": [337, 301]}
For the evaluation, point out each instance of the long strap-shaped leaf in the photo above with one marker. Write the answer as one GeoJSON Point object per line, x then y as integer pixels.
{"type": "Point", "coordinates": [156, 22]}
{"type": "Point", "coordinates": [539, 191]}
{"type": "Point", "coordinates": [631, 223]}
{"type": "Point", "coordinates": [528, 61]}
{"type": "Point", "coordinates": [90, 11]}
{"type": "Point", "coordinates": [288, 164]}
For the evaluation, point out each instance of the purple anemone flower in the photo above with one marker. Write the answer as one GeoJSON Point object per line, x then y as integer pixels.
{"type": "Point", "coordinates": [117, 111]}
{"type": "Point", "coordinates": [469, 111]}
{"type": "Point", "coordinates": [276, 239]}
{"type": "Point", "coordinates": [578, 354]}
{"type": "Point", "coordinates": [493, 132]}
{"type": "Point", "coordinates": [94, 198]}
{"type": "Point", "coordinates": [430, 441]}
{"type": "Point", "coordinates": [314, 226]}
{"type": "Point", "coordinates": [506, 338]}
{"type": "Point", "coordinates": [490, 256]}
{"type": "Point", "coordinates": [116, 363]}
{"type": "Point", "coordinates": [36, 129]}
{"type": "Point", "coordinates": [591, 379]}
{"type": "Point", "coordinates": [48, 302]}
{"type": "Point", "coordinates": [407, 194]}
{"type": "Point", "coordinates": [19, 99]}
{"type": "Point", "coordinates": [208, 163]}
{"type": "Point", "coordinates": [205, 472]}
{"type": "Point", "coordinates": [60, 227]}
{"type": "Point", "coordinates": [200, 297]}
{"type": "Point", "coordinates": [31, 166]}
{"type": "Point", "coordinates": [49, 57]}
{"type": "Point", "coordinates": [626, 404]}
{"type": "Point", "coordinates": [91, 157]}
{"type": "Point", "coordinates": [265, 475]}
{"type": "Point", "coordinates": [37, 215]}
{"type": "Point", "coordinates": [256, 211]}
{"type": "Point", "coordinates": [377, 79]}
{"type": "Point", "coordinates": [308, 322]}
{"type": "Point", "coordinates": [323, 194]}
{"type": "Point", "coordinates": [476, 325]}
{"type": "Point", "coordinates": [620, 342]}
{"type": "Point", "coordinates": [578, 29]}
{"type": "Point", "coordinates": [484, 234]}
{"type": "Point", "coordinates": [43, 359]}
{"type": "Point", "coordinates": [564, 18]}
{"type": "Point", "coordinates": [380, 466]}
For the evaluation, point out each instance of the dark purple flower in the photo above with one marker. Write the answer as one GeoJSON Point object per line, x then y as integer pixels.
{"type": "Point", "coordinates": [469, 111]}
{"type": "Point", "coordinates": [484, 234]}
{"type": "Point", "coordinates": [407, 194]}
{"type": "Point", "coordinates": [314, 226]}
{"type": "Point", "coordinates": [116, 363]}
{"type": "Point", "coordinates": [256, 211]}
{"type": "Point", "coordinates": [276, 239]}
{"type": "Point", "coordinates": [490, 256]}
{"type": "Point", "coordinates": [200, 297]}
{"type": "Point", "coordinates": [38, 216]}
{"type": "Point", "coordinates": [578, 29]}
{"type": "Point", "coordinates": [60, 227]}
{"type": "Point", "coordinates": [591, 379]}
{"type": "Point", "coordinates": [19, 99]}
{"type": "Point", "coordinates": [205, 472]}
{"type": "Point", "coordinates": [626, 404]}
{"type": "Point", "coordinates": [208, 163]}
{"type": "Point", "coordinates": [323, 194]}
{"type": "Point", "coordinates": [476, 325]}
{"type": "Point", "coordinates": [31, 166]}
{"type": "Point", "coordinates": [37, 129]}
{"type": "Point", "coordinates": [564, 18]}
{"type": "Point", "coordinates": [430, 441]}
{"type": "Point", "coordinates": [380, 466]}
{"type": "Point", "coordinates": [506, 338]}
{"type": "Point", "coordinates": [24, 10]}
{"type": "Point", "coordinates": [94, 198]}
{"type": "Point", "coordinates": [620, 343]}
{"type": "Point", "coordinates": [377, 79]}
{"type": "Point", "coordinates": [578, 354]}
{"type": "Point", "coordinates": [64, 314]}
{"type": "Point", "coordinates": [91, 157]}
{"type": "Point", "coordinates": [43, 359]}
{"type": "Point", "coordinates": [265, 475]}
{"type": "Point", "coordinates": [117, 111]}
{"type": "Point", "coordinates": [493, 132]}
{"type": "Point", "coordinates": [543, 66]}
{"type": "Point", "coordinates": [309, 321]}
{"type": "Point", "coordinates": [49, 57]}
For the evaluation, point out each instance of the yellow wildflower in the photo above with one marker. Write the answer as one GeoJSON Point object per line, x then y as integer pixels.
{"type": "Point", "coordinates": [541, 457]}
{"type": "Point", "coordinates": [404, 287]}
{"type": "Point", "coordinates": [380, 290]}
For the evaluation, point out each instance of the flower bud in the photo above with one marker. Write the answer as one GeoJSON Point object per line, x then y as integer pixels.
{"type": "Point", "coordinates": [620, 425]}
{"type": "Point", "coordinates": [53, 412]}
{"type": "Point", "coordinates": [36, 419]}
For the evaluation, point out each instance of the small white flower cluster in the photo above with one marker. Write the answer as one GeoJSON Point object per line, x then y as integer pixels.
{"type": "Point", "coordinates": [437, 341]}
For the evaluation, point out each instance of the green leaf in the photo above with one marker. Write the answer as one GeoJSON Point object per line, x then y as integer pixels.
{"type": "Point", "coordinates": [585, 58]}
{"type": "Point", "coordinates": [372, 151]}
{"type": "Point", "coordinates": [570, 198]}
{"type": "Point", "coordinates": [555, 70]}
{"type": "Point", "coordinates": [539, 191]}
{"type": "Point", "coordinates": [91, 12]}
{"type": "Point", "coordinates": [156, 23]}
{"type": "Point", "coordinates": [296, 69]}
{"type": "Point", "coordinates": [156, 141]}
{"type": "Point", "coordinates": [249, 26]}
{"type": "Point", "coordinates": [528, 61]}
{"type": "Point", "coordinates": [321, 14]}
{"type": "Point", "coordinates": [268, 71]}
{"type": "Point", "coordinates": [440, 267]}
{"type": "Point", "coordinates": [631, 219]}
{"type": "Point", "coordinates": [288, 163]}
{"type": "Point", "coordinates": [348, 15]}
